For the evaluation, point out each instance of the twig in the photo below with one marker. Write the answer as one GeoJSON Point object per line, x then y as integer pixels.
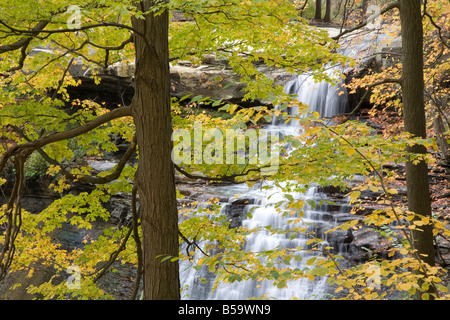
{"type": "Point", "coordinates": [426, 14]}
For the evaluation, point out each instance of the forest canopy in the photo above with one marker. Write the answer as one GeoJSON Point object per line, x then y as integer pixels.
{"type": "Point", "coordinates": [89, 81]}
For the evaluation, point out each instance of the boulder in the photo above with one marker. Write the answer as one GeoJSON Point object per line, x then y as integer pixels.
{"type": "Point", "coordinates": [206, 80]}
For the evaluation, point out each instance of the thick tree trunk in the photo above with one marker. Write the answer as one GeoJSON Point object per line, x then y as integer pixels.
{"type": "Point", "coordinates": [318, 15]}
{"type": "Point", "coordinates": [155, 176]}
{"type": "Point", "coordinates": [414, 119]}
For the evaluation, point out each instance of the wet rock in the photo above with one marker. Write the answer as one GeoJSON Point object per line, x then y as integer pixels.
{"type": "Point", "coordinates": [236, 210]}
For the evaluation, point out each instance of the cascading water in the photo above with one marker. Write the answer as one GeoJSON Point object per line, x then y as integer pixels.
{"type": "Point", "coordinates": [263, 214]}
{"type": "Point", "coordinates": [326, 99]}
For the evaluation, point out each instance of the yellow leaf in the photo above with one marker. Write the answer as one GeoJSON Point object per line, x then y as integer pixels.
{"type": "Point", "coordinates": [354, 195]}
{"type": "Point", "coordinates": [30, 273]}
{"type": "Point", "coordinates": [351, 151]}
{"type": "Point", "coordinates": [404, 286]}
{"type": "Point", "coordinates": [434, 145]}
{"type": "Point", "coordinates": [392, 191]}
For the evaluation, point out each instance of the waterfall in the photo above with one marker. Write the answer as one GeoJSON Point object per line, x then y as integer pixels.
{"type": "Point", "coordinates": [317, 219]}
{"type": "Point", "coordinates": [327, 99]}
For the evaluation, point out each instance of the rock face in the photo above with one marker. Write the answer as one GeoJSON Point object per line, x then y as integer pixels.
{"type": "Point", "coordinates": [214, 77]}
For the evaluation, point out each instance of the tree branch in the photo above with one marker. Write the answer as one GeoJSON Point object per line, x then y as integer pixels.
{"type": "Point", "coordinates": [94, 179]}
{"type": "Point", "coordinates": [24, 41]}
{"type": "Point", "coordinates": [439, 29]}
{"type": "Point", "coordinates": [137, 241]}
{"type": "Point", "coordinates": [114, 256]}
{"type": "Point", "coordinates": [59, 136]}
{"type": "Point", "coordinates": [228, 178]}
{"type": "Point", "coordinates": [363, 24]}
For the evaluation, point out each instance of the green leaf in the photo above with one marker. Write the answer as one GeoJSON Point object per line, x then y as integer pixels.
{"type": "Point", "coordinates": [311, 202]}
{"type": "Point", "coordinates": [274, 274]}
{"type": "Point", "coordinates": [311, 261]}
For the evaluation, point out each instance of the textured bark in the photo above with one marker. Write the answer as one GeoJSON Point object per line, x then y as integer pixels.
{"type": "Point", "coordinates": [414, 120]}
{"type": "Point", "coordinates": [318, 15]}
{"type": "Point", "coordinates": [327, 17]}
{"type": "Point", "coordinates": [441, 140]}
{"type": "Point", "coordinates": [155, 176]}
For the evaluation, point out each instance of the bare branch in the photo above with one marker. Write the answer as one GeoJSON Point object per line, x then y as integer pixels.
{"type": "Point", "coordinates": [363, 24]}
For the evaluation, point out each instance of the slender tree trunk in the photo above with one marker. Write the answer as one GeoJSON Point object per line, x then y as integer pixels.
{"type": "Point", "coordinates": [155, 176]}
{"type": "Point", "coordinates": [318, 15]}
{"type": "Point", "coordinates": [327, 17]}
{"type": "Point", "coordinates": [441, 140]}
{"type": "Point", "coordinates": [414, 119]}
{"type": "Point", "coordinates": [363, 13]}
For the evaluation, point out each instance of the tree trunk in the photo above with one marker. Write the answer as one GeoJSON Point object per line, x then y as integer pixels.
{"type": "Point", "coordinates": [363, 13]}
{"type": "Point", "coordinates": [439, 130]}
{"type": "Point", "coordinates": [327, 17]}
{"type": "Point", "coordinates": [155, 176]}
{"type": "Point", "coordinates": [414, 120]}
{"type": "Point", "coordinates": [318, 15]}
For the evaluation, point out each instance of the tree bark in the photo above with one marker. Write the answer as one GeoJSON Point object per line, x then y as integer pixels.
{"type": "Point", "coordinates": [327, 17]}
{"type": "Point", "coordinates": [155, 176]}
{"type": "Point", "coordinates": [318, 15]}
{"type": "Point", "coordinates": [441, 140]}
{"type": "Point", "coordinates": [414, 120]}
{"type": "Point", "coordinates": [363, 13]}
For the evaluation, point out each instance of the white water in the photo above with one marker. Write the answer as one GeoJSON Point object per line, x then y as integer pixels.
{"type": "Point", "coordinates": [265, 215]}
{"type": "Point", "coordinates": [317, 220]}
{"type": "Point", "coordinates": [326, 98]}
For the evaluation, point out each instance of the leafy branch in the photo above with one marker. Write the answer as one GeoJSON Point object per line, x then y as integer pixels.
{"type": "Point", "coordinates": [366, 95]}
{"type": "Point", "coordinates": [228, 178]}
